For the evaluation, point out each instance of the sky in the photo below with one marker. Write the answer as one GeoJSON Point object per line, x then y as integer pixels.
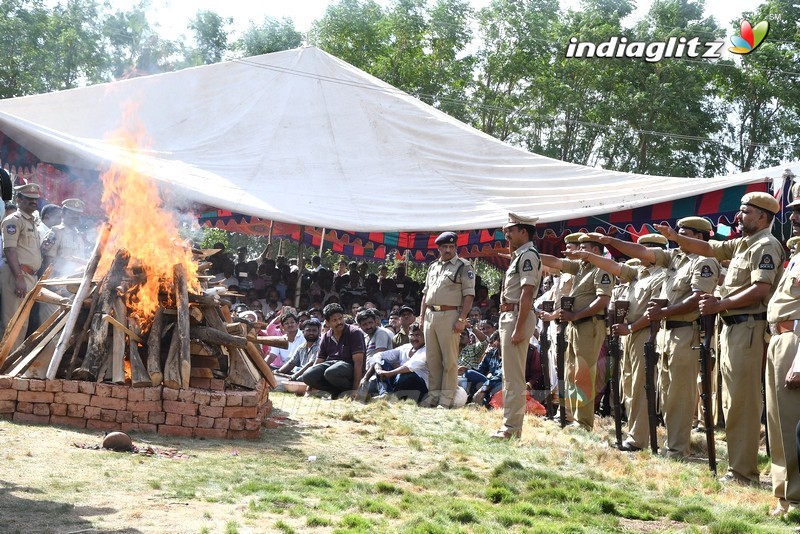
{"type": "Point", "coordinates": [173, 15]}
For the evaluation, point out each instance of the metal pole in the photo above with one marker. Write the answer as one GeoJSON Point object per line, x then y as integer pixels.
{"type": "Point", "coordinates": [301, 264]}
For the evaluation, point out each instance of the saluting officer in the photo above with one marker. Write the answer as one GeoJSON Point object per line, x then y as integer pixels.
{"type": "Point", "coordinates": [756, 266]}
{"type": "Point", "coordinates": [782, 378]}
{"type": "Point", "coordinates": [21, 247]}
{"type": "Point", "coordinates": [517, 320]}
{"type": "Point", "coordinates": [65, 247]}
{"type": "Point", "coordinates": [586, 329]}
{"type": "Point", "coordinates": [446, 301]}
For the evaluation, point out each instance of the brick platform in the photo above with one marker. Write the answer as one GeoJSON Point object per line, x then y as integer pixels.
{"type": "Point", "coordinates": [190, 413]}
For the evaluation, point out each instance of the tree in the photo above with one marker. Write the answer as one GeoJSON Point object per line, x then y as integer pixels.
{"type": "Point", "coordinates": [353, 31]}
{"type": "Point", "coordinates": [211, 37]}
{"type": "Point", "coordinates": [272, 35]}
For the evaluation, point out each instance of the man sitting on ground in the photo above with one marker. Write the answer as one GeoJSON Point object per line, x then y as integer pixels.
{"type": "Point", "coordinates": [407, 318]}
{"type": "Point", "coordinates": [410, 379]}
{"type": "Point", "coordinates": [305, 355]}
{"type": "Point", "coordinates": [376, 338]}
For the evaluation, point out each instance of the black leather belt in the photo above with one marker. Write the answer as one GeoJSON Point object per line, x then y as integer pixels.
{"type": "Point", "coordinates": [598, 317]}
{"type": "Point", "coordinates": [743, 318]}
{"type": "Point", "coordinates": [671, 325]}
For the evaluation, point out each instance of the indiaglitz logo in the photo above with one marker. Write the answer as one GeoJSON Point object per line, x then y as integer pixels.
{"type": "Point", "coordinates": [749, 38]}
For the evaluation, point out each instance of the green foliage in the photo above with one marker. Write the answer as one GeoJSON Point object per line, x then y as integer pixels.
{"type": "Point", "coordinates": [211, 37]}
{"type": "Point", "coordinates": [272, 35]}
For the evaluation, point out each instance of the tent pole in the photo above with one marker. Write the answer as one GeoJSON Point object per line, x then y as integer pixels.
{"type": "Point", "coordinates": [301, 266]}
{"type": "Point", "coordinates": [321, 242]}
{"type": "Point", "coordinates": [269, 239]}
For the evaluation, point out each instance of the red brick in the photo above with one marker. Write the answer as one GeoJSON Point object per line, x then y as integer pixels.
{"type": "Point", "coordinates": [222, 423]}
{"type": "Point", "coordinates": [25, 407]}
{"type": "Point", "coordinates": [135, 394]}
{"type": "Point", "coordinates": [6, 382]}
{"type": "Point", "coordinates": [244, 434]}
{"type": "Point", "coordinates": [41, 409]}
{"type": "Point", "coordinates": [35, 396]}
{"type": "Point", "coordinates": [144, 406]}
{"type": "Point", "coordinates": [233, 398]}
{"type": "Point", "coordinates": [173, 419]}
{"type": "Point", "coordinates": [102, 390]}
{"type": "Point", "coordinates": [70, 386]}
{"type": "Point", "coordinates": [211, 411]}
{"type": "Point", "coordinates": [58, 409]}
{"type": "Point", "coordinates": [183, 408]}
{"type": "Point", "coordinates": [20, 384]}
{"type": "Point", "coordinates": [124, 417]}
{"type": "Point", "coordinates": [20, 417]}
{"type": "Point", "coordinates": [139, 427]}
{"type": "Point", "coordinates": [8, 394]}
{"type": "Point", "coordinates": [169, 394]}
{"type": "Point", "coordinates": [186, 395]}
{"type": "Point", "coordinates": [237, 423]}
{"type": "Point", "coordinates": [95, 424]}
{"type": "Point", "coordinates": [86, 387]}
{"type": "Point", "coordinates": [83, 399]}
{"type": "Point", "coordinates": [36, 385]}
{"type": "Point", "coordinates": [53, 386]}
{"type": "Point", "coordinates": [152, 394]}
{"type": "Point", "coordinates": [109, 402]}
{"type": "Point", "coordinates": [240, 411]}
{"type": "Point", "coordinates": [119, 392]}
{"type": "Point", "coordinates": [210, 433]}
{"type": "Point", "coordinates": [249, 399]}
{"type": "Point", "coordinates": [157, 418]}
{"type": "Point", "coordinates": [217, 399]}
{"type": "Point", "coordinates": [8, 406]}
{"type": "Point", "coordinates": [198, 382]}
{"type": "Point", "coordinates": [108, 415]}
{"type": "Point", "coordinates": [252, 424]}
{"type": "Point", "coordinates": [176, 431]}
{"type": "Point", "coordinates": [217, 384]}
{"type": "Point", "coordinates": [140, 417]}
{"type": "Point", "coordinates": [205, 422]}
{"type": "Point", "coordinates": [74, 410]}
{"type": "Point", "coordinates": [189, 421]}
{"type": "Point", "coordinates": [75, 422]}
{"type": "Point", "coordinates": [92, 412]}
{"type": "Point", "coordinates": [202, 398]}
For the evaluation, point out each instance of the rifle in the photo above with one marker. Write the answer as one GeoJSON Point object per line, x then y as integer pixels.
{"type": "Point", "coordinates": [705, 388]}
{"type": "Point", "coordinates": [650, 362]}
{"type": "Point", "coordinates": [561, 349]}
{"type": "Point", "coordinates": [617, 316]}
{"type": "Point", "coordinates": [547, 307]}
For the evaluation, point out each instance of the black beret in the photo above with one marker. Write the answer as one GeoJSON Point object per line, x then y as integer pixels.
{"type": "Point", "coordinates": [446, 238]}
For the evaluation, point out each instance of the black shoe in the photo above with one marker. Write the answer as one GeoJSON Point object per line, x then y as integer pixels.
{"type": "Point", "coordinates": [629, 447]}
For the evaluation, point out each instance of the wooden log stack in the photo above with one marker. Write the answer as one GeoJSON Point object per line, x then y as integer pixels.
{"type": "Point", "coordinates": [95, 335]}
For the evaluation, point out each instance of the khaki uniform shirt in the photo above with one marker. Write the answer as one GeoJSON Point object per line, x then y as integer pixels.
{"type": "Point", "coordinates": [525, 269]}
{"type": "Point", "coordinates": [589, 282]}
{"type": "Point", "coordinates": [645, 285]}
{"type": "Point", "coordinates": [446, 284]}
{"type": "Point", "coordinates": [20, 232]}
{"type": "Point", "coordinates": [66, 248]}
{"type": "Point", "coordinates": [686, 274]}
{"type": "Point", "coordinates": [757, 258]}
{"type": "Point", "coordinates": [785, 302]}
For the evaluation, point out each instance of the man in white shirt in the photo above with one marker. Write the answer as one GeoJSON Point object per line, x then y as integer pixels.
{"type": "Point", "coordinates": [408, 380]}
{"type": "Point", "coordinates": [289, 325]}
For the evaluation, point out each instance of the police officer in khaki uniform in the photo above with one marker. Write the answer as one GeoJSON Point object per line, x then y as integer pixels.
{"type": "Point", "coordinates": [687, 278]}
{"type": "Point", "coordinates": [645, 280]}
{"type": "Point", "coordinates": [446, 301]}
{"type": "Point", "coordinates": [21, 247]}
{"type": "Point", "coordinates": [517, 319]}
{"type": "Point", "coordinates": [586, 330]}
{"type": "Point", "coordinates": [782, 379]}
{"type": "Point", "coordinates": [66, 248]}
{"type": "Point", "coordinates": [756, 265]}
{"type": "Point", "coordinates": [792, 243]}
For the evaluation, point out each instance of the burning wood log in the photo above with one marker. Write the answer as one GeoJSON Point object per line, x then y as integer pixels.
{"type": "Point", "coordinates": [172, 370]}
{"type": "Point", "coordinates": [20, 319]}
{"type": "Point", "coordinates": [182, 300]}
{"type": "Point", "coordinates": [83, 333]}
{"type": "Point", "coordinates": [118, 342]}
{"type": "Point", "coordinates": [26, 361]}
{"type": "Point", "coordinates": [99, 342]}
{"type": "Point", "coordinates": [83, 292]}
{"type": "Point", "coordinates": [258, 359]}
{"type": "Point", "coordinates": [140, 378]}
{"type": "Point", "coordinates": [211, 335]}
{"type": "Point", "coordinates": [29, 343]}
{"type": "Point", "coordinates": [154, 349]}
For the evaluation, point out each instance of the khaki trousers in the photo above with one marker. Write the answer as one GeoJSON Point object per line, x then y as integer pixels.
{"type": "Point", "coordinates": [10, 302]}
{"type": "Point", "coordinates": [580, 363]}
{"type": "Point", "coordinates": [742, 352]}
{"type": "Point", "coordinates": [680, 365]}
{"type": "Point", "coordinates": [441, 350]}
{"type": "Point", "coordinates": [633, 379]}
{"type": "Point", "coordinates": [783, 413]}
{"type": "Point", "coordinates": [514, 359]}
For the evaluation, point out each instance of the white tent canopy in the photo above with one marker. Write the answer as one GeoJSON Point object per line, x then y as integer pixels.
{"type": "Point", "coordinates": [302, 137]}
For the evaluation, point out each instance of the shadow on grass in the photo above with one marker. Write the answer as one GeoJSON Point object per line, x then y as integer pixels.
{"type": "Point", "coordinates": [22, 515]}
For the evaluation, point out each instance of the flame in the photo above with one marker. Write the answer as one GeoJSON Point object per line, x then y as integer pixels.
{"type": "Point", "coordinates": [142, 225]}
{"type": "Point", "coordinates": [128, 373]}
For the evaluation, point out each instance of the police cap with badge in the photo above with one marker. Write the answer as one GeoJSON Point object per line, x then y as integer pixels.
{"type": "Point", "coordinates": [698, 224]}
{"type": "Point", "coordinates": [763, 201]}
{"type": "Point", "coordinates": [519, 220]}
{"type": "Point", "coordinates": [653, 240]}
{"type": "Point", "coordinates": [31, 190]}
{"type": "Point", "coordinates": [74, 204]}
{"type": "Point", "coordinates": [446, 238]}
